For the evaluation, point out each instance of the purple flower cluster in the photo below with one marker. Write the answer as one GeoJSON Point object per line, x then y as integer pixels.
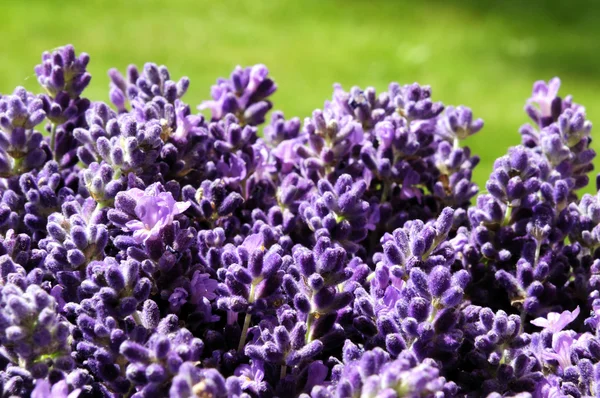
{"type": "Point", "coordinates": [148, 251]}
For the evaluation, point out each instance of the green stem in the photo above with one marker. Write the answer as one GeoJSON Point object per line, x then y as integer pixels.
{"type": "Point", "coordinates": [247, 319]}
{"type": "Point", "coordinates": [244, 332]}
{"type": "Point", "coordinates": [434, 245]}
{"type": "Point", "coordinates": [371, 276]}
{"type": "Point", "coordinates": [456, 143]}
{"type": "Point", "coordinates": [507, 215]}
{"type": "Point", "coordinates": [17, 165]}
{"type": "Point", "coordinates": [309, 322]}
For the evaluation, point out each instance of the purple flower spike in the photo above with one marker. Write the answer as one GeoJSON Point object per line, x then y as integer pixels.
{"type": "Point", "coordinates": [458, 123]}
{"type": "Point", "coordinates": [148, 252]}
{"type": "Point", "coordinates": [153, 85]}
{"type": "Point", "coordinates": [244, 95]}
{"type": "Point", "coordinates": [545, 96]}
{"type": "Point", "coordinates": [555, 322]}
{"type": "Point", "coordinates": [413, 101]}
{"type": "Point", "coordinates": [62, 70]}
{"type": "Point", "coordinates": [339, 211]}
{"type": "Point", "coordinates": [21, 147]}
{"type": "Point", "coordinates": [32, 328]}
{"type": "Point", "coordinates": [365, 106]}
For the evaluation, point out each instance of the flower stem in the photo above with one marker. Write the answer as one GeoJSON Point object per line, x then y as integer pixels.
{"type": "Point", "coordinates": [136, 317]}
{"type": "Point", "coordinates": [456, 143]}
{"type": "Point", "coordinates": [282, 372]}
{"type": "Point", "coordinates": [244, 332]}
{"type": "Point", "coordinates": [371, 276]}
{"type": "Point", "coordinates": [385, 191]}
{"type": "Point", "coordinates": [538, 247]}
{"type": "Point", "coordinates": [17, 166]}
{"type": "Point", "coordinates": [309, 322]}
{"type": "Point", "coordinates": [507, 215]}
{"type": "Point", "coordinates": [247, 319]}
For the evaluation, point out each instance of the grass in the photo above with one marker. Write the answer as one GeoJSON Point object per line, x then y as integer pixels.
{"type": "Point", "coordinates": [482, 54]}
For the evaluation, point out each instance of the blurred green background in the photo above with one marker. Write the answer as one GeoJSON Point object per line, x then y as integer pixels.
{"type": "Point", "coordinates": [484, 54]}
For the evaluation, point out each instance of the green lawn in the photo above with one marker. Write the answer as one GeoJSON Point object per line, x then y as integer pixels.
{"type": "Point", "coordinates": [481, 53]}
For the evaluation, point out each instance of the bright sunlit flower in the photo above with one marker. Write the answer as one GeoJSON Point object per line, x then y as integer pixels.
{"type": "Point", "coordinates": [555, 322]}
{"type": "Point", "coordinates": [154, 212]}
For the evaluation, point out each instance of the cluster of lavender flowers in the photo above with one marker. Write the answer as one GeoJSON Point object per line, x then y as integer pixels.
{"type": "Point", "coordinates": [148, 250]}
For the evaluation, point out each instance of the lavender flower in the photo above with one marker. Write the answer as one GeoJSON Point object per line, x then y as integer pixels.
{"type": "Point", "coordinates": [413, 101]}
{"type": "Point", "coordinates": [545, 96]}
{"type": "Point", "coordinates": [212, 201]}
{"type": "Point", "coordinates": [280, 130]}
{"type": "Point", "coordinates": [312, 283]}
{"type": "Point", "coordinates": [33, 334]}
{"type": "Point", "coordinates": [499, 347]}
{"type": "Point", "coordinates": [372, 374]}
{"type": "Point", "coordinates": [148, 212]}
{"type": "Point", "coordinates": [153, 212]}
{"type": "Point", "coordinates": [62, 70]}
{"type": "Point", "coordinates": [252, 377]}
{"type": "Point", "coordinates": [147, 252]}
{"type": "Point", "coordinates": [364, 105]}
{"type": "Point", "coordinates": [458, 123]}
{"type": "Point", "coordinates": [244, 94]}
{"type": "Point", "coordinates": [21, 147]}
{"type": "Point", "coordinates": [330, 140]}
{"type": "Point", "coordinates": [154, 81]}
{"type": "Point", "coordinates": [586, 229]}
{"type": "Point", "coordinates": [555, 322]}
{"type": "Point", "coordinates": [75, 236]}
{"type": "Point", "coordinates": [338, 211]}
{"type": "Point", "coordinates": [151, 366]}
{"type": "Point", "coordinates": [43, 389]}
{"type": "Point", "coordinates": [203, 287]}
{"type": "Point", "coordinates": [193, 382]}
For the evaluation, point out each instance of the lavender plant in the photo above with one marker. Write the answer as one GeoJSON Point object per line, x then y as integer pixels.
{"type": "Point", "coordinates": [148, 251]}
